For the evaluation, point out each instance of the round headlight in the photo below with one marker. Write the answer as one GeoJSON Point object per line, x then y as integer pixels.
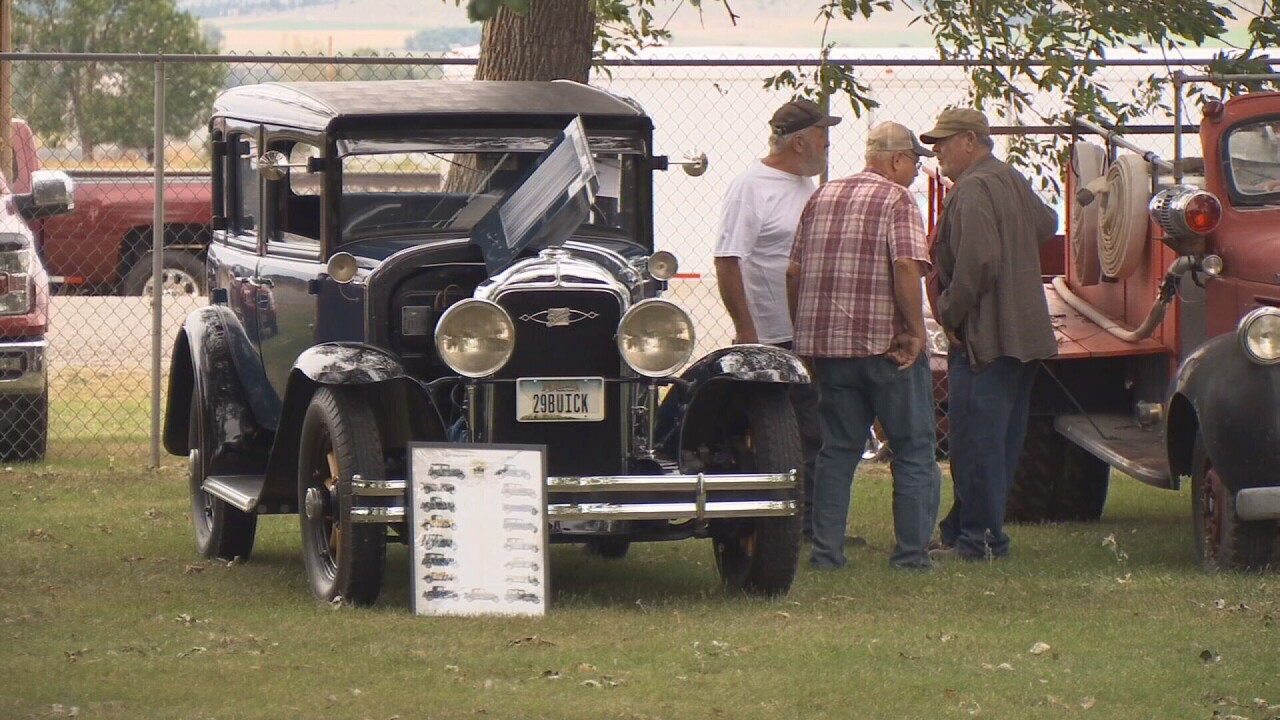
{"type": "Point", "coordinates": [663, 265]}
{"type": "Point", "coordinates": [475, 337]}
{"type": "Point", "coordinates": [655, 337]}
{"type": "Point", "coordinates": [1259, 334]}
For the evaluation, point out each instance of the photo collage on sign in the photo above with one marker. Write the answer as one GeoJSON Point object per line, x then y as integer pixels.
{"type": "Point", "coordinates": [478, 519]}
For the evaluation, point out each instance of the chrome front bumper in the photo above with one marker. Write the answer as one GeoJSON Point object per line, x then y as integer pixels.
{"type": "Point", "coordinates": [22, 367]}
{"type": "Point", "coordinates": [703, 493]}
{"type": "Point", "coordinates": [1261, 503]}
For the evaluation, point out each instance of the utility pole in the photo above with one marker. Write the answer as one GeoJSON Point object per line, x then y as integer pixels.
{"type": "Point", "coordinates": [6, 90]}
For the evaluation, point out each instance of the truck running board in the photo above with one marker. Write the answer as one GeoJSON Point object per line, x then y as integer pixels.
{"type": "Point", "coordinates": [1123, 444]}
{"type": "Point", "coordinates": [239, 491]}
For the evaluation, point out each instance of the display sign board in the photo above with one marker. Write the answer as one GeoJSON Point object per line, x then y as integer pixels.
{"type": "Point", "coordinates": [477, 519]}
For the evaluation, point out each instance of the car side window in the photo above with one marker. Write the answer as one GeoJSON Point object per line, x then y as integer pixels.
{"type": "Point", "coordinates": [295, 199]}
{"type": "Point", "coordinates": [244, 185]}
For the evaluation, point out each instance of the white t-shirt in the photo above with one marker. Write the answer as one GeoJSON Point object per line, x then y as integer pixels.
{"type": "Point", "coordinates": [761, 211]}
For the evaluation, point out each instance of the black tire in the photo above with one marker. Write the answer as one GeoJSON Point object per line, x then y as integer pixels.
{"type": "Point", "coordinates": [1056, 480]}
{"type": "Point", "coordinates": [759, 556]}
{"type": "Point", "coordinates": [339, 439]}
{"type": "Point", "coordinates": [608, 549]}
{"type": "Point", "coordinates": [1222, 540]}
{"type": "Point", "coordinates": [221, 531]}
{"type": "Point", "coordinates": [25, 433]}
{"type": "Point", "coordinates": [183, 274]}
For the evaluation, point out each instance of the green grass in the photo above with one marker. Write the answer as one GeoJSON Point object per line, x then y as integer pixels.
{"type": "Point", "coordinates": [105, 608]}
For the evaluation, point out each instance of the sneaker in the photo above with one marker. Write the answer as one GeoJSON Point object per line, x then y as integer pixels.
{"type": "Point", "coordinates": [935, 544]}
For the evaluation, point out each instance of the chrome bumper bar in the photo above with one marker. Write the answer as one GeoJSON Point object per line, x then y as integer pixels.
{"type": "Point", "coordinates": [31, 374]}
{"type": "Point", "coordinates": [702, 505]}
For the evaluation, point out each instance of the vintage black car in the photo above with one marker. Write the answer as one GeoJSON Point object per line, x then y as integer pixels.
{"type": "Point", "coordinates": [463, 262]}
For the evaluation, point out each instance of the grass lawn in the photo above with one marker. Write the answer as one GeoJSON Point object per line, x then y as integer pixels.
{"type": "Point", "coordinates": [106, 612]}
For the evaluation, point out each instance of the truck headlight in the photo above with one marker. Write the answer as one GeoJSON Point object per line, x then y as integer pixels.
{"type": "Point", "coordinates": [655, 337]}
{"type": "Point", "coordinates": [1259, 333]}
{"type": "Point", "coordinates": [15, 282]}
{"type": "Point", "coordinates": [475, 338]}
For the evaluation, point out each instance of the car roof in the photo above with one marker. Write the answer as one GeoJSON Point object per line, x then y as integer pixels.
{"type": "Point", "coordinates": [316, 105]}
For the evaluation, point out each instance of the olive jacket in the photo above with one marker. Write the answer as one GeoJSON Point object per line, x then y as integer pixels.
{"type": "Point", "coordinates": [987, 256]}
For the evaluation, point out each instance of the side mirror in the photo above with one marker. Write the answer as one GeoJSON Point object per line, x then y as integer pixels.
{"type": "Point", "coordinates": [694, 165]}
{"type": "Point", "coordinates": [52, 193]}
{"type": "Point", "coordinates": [273, 165]}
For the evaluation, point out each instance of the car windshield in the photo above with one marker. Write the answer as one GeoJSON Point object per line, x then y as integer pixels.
{"type": "Point", "coordinates": [1254, 153]}
{"type": "Point", "coordinates": [447, 182]}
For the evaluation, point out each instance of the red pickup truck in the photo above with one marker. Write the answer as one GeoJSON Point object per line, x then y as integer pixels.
{"type": "Point", "coordinates": [24, 312]}
{"type": "Point", "coordinates": [104, 246]}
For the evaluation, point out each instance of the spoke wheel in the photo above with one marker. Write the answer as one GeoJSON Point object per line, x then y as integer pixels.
{"type": "Point", "coordinates": [1222, 540]}
{"type": "Point", "coordinates": [340, 439]}
{"type": "Point", "coordinates": [759, 556]}
{"type": "Point", "coordinates": [221, 531]}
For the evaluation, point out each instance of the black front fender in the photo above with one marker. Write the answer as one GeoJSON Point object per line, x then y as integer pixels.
{"type": "Point", "coordinates": [705, 381]}
{"type": "Point", "coordinates": [1234, 403]}
{"type": "Point", "coordinates": [214, 356]}
{"type": "Point", "coordinates": [404, 408]}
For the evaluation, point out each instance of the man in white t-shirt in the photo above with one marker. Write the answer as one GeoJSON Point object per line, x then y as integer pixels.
{"type": "Point", "coordinates": [753, 251]}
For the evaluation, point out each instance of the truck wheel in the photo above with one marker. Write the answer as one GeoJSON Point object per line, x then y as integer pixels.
{"type": "Point", "coordinates": [339, 439]}
{"type": "Point", "coordinates": [608, 549]}
{"type": "Point", "coordinates": [759, 555]}
{"type": "Point", "coordinates": [1222, 540]}
{"type": "Point", "coordinates": [1056, 480]}
{"type": "Point", "coordinates": [182, 274]}
{"type": "Point", "coordinates": [221, 531]}
{"type": "Point", "coordinates": [26, 428]}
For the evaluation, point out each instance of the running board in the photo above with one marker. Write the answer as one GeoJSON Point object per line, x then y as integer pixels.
{"type": "Point", "coordinates": [1123, 444]}
{"type": "Point", "coordinates": [238, 491]}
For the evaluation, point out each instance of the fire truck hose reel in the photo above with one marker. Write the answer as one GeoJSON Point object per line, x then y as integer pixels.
{"type": "Point", "coordinates": [1122, 233]}
{"type": "Point", "coordinates": [1088, 164]}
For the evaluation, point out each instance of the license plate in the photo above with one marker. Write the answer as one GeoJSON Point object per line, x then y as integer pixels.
{"type": "Point", "coordinates": [560, 399]}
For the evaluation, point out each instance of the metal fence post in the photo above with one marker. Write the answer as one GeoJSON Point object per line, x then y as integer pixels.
{"type": "Point", "coordinates": [157, 266]}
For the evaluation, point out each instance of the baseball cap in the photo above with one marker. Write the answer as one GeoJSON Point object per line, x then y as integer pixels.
{"type": "Point", "coordinates": [894, 137]}
{"type": "Point", "coordinates": [956, 120]}
{"type": "Point", "coordinates": [798, 115]}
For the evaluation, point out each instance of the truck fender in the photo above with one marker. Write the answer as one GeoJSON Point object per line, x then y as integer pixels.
{"type": "Point", "coordinates": [213, 353]}
{"type": "Point", "coordinates": [693, 402]}
{"type": "Point", "coordinates": [1231, 402]}
{"type": "Point", "coordinates": [379, 374]}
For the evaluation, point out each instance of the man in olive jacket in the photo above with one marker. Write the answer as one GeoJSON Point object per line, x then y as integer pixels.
{"type": "Point", "coordinates": [988, 295]}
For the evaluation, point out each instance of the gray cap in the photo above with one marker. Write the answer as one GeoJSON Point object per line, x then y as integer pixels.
{"type": "Point", "coordinates": [895, 137]}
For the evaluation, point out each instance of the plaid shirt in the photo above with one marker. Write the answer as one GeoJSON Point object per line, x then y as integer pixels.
{"type": "Point", "coordinates": [850, 233]}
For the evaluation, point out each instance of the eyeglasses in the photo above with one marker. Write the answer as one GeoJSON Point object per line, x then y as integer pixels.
{"type": "Point", "coordinates": [912, 158]}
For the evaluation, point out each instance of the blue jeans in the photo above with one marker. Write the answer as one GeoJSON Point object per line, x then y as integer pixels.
{"type": "Point", "coordinates": [851, 393]}
{"type": "Point", "coordinates": [989, 408]}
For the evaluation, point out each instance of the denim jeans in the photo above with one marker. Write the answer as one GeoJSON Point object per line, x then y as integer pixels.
{"type": "Point", "coordinates": [988, 414]}
{"type": "Point", "coordinates": [851, 393]}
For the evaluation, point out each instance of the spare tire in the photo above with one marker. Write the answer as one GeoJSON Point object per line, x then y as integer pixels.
{"type": "Point", "coordinates": [1088, 163]}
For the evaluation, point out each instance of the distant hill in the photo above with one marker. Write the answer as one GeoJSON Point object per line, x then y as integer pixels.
{"type": "Point", "coordinates": [346, 26]}
{"type": "Point", "coordinates": [319, 26]}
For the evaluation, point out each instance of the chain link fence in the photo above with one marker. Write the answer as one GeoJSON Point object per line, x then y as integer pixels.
{"type": "Point", "coordinates": [90, 116]}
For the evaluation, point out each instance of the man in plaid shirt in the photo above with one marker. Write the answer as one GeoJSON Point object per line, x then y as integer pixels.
{"type": "Point", "coordinates": [856, 302]}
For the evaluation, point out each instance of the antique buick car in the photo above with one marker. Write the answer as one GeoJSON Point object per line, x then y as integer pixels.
{"type": "Point", "coordinates": [466, 262]}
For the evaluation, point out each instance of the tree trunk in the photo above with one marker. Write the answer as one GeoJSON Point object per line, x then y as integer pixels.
{"type": "Point", "coordinates": [552, 42]}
